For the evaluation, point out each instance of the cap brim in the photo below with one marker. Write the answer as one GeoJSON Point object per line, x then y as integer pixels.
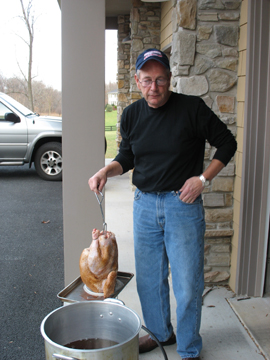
{"type": "Point", "coordinates": [152, 58]}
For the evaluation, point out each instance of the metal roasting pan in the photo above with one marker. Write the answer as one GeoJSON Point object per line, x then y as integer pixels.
{"type": "Point", "coordinates": [75, 292]}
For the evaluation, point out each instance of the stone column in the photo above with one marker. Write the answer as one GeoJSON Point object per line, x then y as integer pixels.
{"type": "Point", "coordinates": [143, 25]}
{"type": "Point", "coordinates": [145, 33]}
{"type": "Point", "coordinates": [204, 63]}
{"type": "Point", "coordinates": [123, 65]}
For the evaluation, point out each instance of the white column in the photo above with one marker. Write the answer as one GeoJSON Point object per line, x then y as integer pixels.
{"type": "Point", "coordinates": [83, 78]}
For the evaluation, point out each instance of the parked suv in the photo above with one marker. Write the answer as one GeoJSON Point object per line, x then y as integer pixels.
{"type": "Point", "coordinates": [26, 137]}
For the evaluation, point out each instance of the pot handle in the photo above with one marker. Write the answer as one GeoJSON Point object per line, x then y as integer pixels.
{"type": "Point", "coordinates": [114, 301]}
{"type": "Point", "coordinates": [63, 357]}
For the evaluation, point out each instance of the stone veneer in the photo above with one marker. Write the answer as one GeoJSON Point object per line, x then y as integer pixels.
{"type": "Point", "coordinates": [204, 60]}
{"type": "Point", "coordinates": [144, 29]}
{"type": "Point", "coordinates": [123, 66]}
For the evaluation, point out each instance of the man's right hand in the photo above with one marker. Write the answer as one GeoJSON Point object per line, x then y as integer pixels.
{"type": "Point", "coordinates": [97, 181]}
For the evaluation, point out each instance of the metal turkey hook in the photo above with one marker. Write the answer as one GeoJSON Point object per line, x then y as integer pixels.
{"type": "Point", "coordinates": [100, 202]}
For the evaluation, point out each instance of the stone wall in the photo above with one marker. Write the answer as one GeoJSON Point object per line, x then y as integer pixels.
{"type": "Point", "coordinates": [204, 59]}
{"type": "Point", "coordinates": [144, 28]}
{"type": "Point", "coordinates": [123, 69]}
{"type": "Point", "coordinates": [145, 34]}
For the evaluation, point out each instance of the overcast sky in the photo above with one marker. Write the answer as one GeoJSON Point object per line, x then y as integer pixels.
{"type": "Point", "coordinates": [47, 43]}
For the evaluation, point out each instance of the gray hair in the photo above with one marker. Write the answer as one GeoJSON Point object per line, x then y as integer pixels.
{"type": "Point", "coordinates": [168, 72]}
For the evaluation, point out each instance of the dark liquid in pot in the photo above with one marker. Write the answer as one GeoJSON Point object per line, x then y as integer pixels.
{"type": "Point", "coordinates": [88, 344]}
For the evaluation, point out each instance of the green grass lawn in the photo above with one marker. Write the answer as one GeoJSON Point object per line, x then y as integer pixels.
{"type": "Point", "coordinates": [111, 120]}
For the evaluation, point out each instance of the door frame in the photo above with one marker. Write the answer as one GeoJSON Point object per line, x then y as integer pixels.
{"type": "Point", "coordinates": [255, 188]}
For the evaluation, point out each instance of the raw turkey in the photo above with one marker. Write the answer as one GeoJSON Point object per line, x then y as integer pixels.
{"type": "Point", "coordinates": [99, 263]}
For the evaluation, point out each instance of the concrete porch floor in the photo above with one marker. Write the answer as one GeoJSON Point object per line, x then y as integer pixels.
{"type": "Point", "coordinates": [229, 331]}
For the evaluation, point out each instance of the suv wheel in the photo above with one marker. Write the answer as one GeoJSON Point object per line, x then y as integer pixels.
{"type": "Point", "coordinates": [48, 161]}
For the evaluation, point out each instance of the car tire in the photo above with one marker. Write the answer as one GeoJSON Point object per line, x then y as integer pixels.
{"type": "Point", "coordinates": [48, 161]}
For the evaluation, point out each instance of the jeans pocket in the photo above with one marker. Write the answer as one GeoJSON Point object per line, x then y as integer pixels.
{"type": "Point", "coordinates": [197, 201]}
{"type": "Point", "coordinates": [137, 194]}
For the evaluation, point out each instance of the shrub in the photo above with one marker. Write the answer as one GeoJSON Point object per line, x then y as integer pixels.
{"type": "Point", "coordinates": [109, 108]}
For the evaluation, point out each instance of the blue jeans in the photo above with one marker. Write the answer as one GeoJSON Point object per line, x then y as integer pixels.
{"type": "Point", "coordinates": [167, 230]}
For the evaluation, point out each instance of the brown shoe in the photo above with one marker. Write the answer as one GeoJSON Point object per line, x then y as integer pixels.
{"type": "Point", "coordinates": [196, 358]}
{"type": "Point", "coordinates": [146, 343]}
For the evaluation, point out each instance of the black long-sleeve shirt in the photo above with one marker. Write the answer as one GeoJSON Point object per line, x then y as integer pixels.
{"type": "Point", "coordinates": [165, 146]}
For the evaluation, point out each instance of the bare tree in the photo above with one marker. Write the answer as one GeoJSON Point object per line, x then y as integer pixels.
{"type": "Point", "coordinates": [16, 87]}
{"type": "Point", "coordinates": [29, 20]}
{"type": "Point", "coordinates": [47, 101]}
{"type": "Point", "coordinates": [2, 83]}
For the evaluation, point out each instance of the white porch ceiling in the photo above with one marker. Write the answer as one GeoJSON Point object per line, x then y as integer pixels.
{"type": "Point", "coordinates": [117, 7]}
{"type": "Point", "coordinates": [114, 7]}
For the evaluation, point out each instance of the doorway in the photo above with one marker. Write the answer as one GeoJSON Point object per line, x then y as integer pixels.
{"type": "Point", "coordinates": [267, 273]}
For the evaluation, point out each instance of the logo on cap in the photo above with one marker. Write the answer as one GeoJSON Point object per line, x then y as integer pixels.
{"type": "Point", "coordinates": [152, 53]}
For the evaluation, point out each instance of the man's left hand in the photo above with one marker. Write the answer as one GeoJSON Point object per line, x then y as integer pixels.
{"type": "Point", "coordinates": [191, 189]}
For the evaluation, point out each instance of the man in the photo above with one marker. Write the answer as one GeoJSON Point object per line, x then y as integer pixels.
{"type": "Point", "coordinates": [163, 140]}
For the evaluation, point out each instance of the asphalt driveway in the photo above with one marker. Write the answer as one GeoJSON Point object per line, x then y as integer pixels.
{"type": "Point", "coordinates": [31, 259]}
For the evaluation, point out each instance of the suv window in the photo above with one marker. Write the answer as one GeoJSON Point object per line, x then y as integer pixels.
{"type": "Point", "coordinates": [3, 110]}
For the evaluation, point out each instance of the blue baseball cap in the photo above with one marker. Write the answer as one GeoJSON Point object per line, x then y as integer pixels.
{"type": "Point", "coordinates": [152, 54]}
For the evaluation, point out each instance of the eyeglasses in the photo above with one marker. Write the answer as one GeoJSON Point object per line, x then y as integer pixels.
{"type": "Point", "coordinates": [148, 83]}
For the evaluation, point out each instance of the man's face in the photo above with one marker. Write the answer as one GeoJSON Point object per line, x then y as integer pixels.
{"type": "Point", "coordinates": [155, 95]}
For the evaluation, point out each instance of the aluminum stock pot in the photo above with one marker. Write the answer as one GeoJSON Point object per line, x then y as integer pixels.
{"type": "Point", "coordinates": [109, 319]}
